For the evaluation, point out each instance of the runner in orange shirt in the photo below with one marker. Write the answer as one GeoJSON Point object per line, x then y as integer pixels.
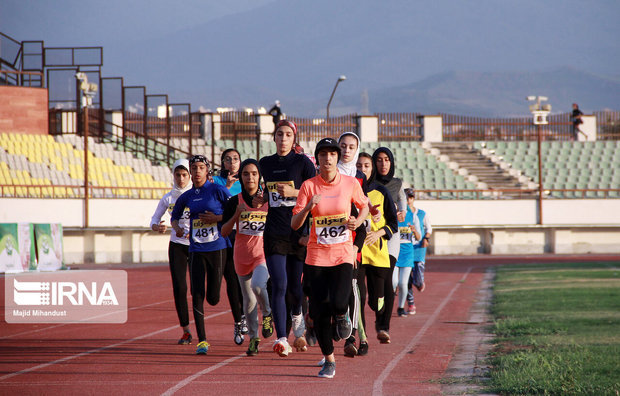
{"type": "Point", "coordinates": [330, 256]}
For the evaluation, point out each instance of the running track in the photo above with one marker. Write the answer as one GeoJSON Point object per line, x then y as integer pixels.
{"type": "Point", "coordinates": [141, 356]}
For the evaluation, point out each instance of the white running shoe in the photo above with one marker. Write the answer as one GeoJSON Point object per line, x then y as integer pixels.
{"type": "Point", "coordinates": [298, 325]}
{"type": "Point", "coordinates": [281, 347]}
{"type": "Point", "coordinates": [321, 362]}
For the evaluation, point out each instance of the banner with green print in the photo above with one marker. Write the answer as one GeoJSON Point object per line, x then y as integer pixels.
{"type": "Point", "coordinates": [16, 247]}
{"type": "Point", "coordinates": [48, 239]}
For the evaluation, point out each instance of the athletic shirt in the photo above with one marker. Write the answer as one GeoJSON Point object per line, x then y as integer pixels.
{"type": "Point", "coordinates": [419, 252]}
{"type": "Point", "coordinates": [234, 189]}
{"type": "Point", "coordinates": [377, 254]}
{"type": "Point", "coordinates": [210, 197]}
{"type": "Point", "coordinates": [248, 249]}
{"type": "Point", "coordinates": [292, 169]}
{"type": "Point", "coordinates": [330, 241]}
{"type": "Point", "coordinates": [407, 239]}
{"type": "Point", "coordinates": [167, 203]}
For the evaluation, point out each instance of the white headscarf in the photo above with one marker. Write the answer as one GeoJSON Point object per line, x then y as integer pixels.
{"type": "Point", "coordinates": [349, 168]}
{"type": "Point", "coordinates": [176, 190]}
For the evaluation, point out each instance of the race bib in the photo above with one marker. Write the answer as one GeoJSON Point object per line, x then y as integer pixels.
{"type": "Point", "coordinates": [185, 214]}
{"type": "Point", "coordinates": [204, 233]}
{"type": "Point", "coordinates": [405, 234]}
{"type": "Point", "coordinates": [252, 223]}
{"type": "Point", "coordinates": [275, 199]}
{"type": "Point", "coordinates": [331, 229]}
{"type": "Point", "coordinates": [367, 225]}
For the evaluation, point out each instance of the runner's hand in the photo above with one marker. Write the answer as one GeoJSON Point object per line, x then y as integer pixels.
{"type": "Point", "coordinates": [285, 190]}
{"type": "Point", "coordinates": [400, 216]}
{"type": "Point", "coordinates": [258, 200]}
{"type": "Point", "coordinates": [371, 238]}
{"type": "Point", "coordinates": [208, 217]}
{"type": "Point", "coordinates": [351, 223]}
{"type": "Point", "coordinates": [314, 201]}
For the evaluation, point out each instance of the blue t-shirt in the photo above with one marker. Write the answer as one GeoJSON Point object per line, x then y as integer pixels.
{"type": "Point", "coordinates": [234, 189]}
{"type": "Point", "coordinates": [210, 197]}
{"type": "Point", "coordinates": [407, 238]}
{"type": "Point", "coordinates": [419, 253]}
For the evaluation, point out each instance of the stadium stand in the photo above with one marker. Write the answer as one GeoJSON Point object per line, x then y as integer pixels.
{"type": "Point", "coordinates": [40, 161]}
{"type": "Point", "coordinates": [566, 165]}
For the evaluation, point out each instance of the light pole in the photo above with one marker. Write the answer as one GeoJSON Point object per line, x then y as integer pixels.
{"type": "Point", "coordinates": [341, 78]}
{"type": "Point", "coordinates": [87, 92]}
{"type": "Point", "coordinates": [540, 113]}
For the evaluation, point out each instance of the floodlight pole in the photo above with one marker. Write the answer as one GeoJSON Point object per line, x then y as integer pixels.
{"type": "Point", "coordinates": [341, 78]}
{"type": "Point", "coordinates": [540, 177]}
{"type": "Point", "coordinates": [85, 111]}
{"type": "Point", "coordinates": [540, 113]}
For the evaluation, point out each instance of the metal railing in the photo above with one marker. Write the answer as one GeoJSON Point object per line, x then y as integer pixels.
{"type": "Point", "coordinates": [315, 129]}
{"type": "Point", "coordinates": [399, 126]}
{"type": "Point", "coordinates": [465, 128]}
{"type": "Point", "coordinates": [22, 78]}
{"type": "Point", "coordinates": [608, 125]}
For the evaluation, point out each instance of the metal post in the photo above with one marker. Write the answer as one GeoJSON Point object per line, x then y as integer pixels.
{"type": "Point", "coordinates": [341, 78]}
{"type": "Point", "coordinates": [85, 110]}
{"type": "Point", "coordinates": [540, 178]}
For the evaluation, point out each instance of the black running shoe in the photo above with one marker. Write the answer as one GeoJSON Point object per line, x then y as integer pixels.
{"type": "Point", "coordinates": [363, 349]}
{"type": "Point", "coordinates": [350, 349]}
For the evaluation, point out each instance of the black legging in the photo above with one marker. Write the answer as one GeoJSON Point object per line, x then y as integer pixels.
{"type": "Point", "coordinates": [380, 285]}
{"type": "Point", "coordinates": [205, 265]}
{"type": "Point", "coordinates": [361, 285]}
{"type": "Point", "coordinates": [177, 257]}
{"type": "Point", "coordinates": [330, 288]}
{"type": "Point", "coordinates": [233, 290]}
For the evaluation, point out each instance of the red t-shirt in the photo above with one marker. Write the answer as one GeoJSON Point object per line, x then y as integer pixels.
{"type": "Point", "coordinates": [330, 241]}
{"type": "Point", "coordinates": [248, 252]}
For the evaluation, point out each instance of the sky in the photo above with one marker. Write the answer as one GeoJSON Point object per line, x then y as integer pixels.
{"type": "Point", "coordinates": [176, 40]}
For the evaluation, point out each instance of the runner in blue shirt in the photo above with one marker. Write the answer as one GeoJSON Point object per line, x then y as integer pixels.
{"type": "Point", "coordinates": [207, 248]}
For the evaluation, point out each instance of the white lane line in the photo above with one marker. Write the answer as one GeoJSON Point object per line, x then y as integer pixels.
{"type": "Point", "coordinates": [377, 389]}
{"type": "Point", "coordinates": [189, 379]}
{"type": "Point", "coordinates": [67, 358]}
{"type": "Point", "coordinates": [64, 324]}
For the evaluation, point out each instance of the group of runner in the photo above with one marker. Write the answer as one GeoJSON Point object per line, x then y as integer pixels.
{"type": "Point", "coordinates": [308, 239]}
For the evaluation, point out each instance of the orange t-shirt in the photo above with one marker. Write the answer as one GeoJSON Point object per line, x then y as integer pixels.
{"type": "Point", "coordinates": [330, 241]}
{"type": "Point", "coordinates": [248, 252]}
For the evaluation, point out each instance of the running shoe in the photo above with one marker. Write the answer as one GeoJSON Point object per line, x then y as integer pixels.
{"type": "Point", "coordinates": [350, 349]}
{"type": "Point", "coordinates": [244, 325]}
{"type": "Point", "coordinates": [300, 344]}
{"type": "Point", "coordinates": [328, 370]}
{"type": "Point", "coordinates": [281, 347]}
{"type": "Point", "coordinates": [238, 335]}
{"type": "Point", "coordinates": [267, 326]}
{"type": "Point", "coordinates": [412, 309]}
{"type": "Point", "coordinates": [363, 349]}
{"type": "Point", "coordinates": [202, 348]}
{"type": "Point", "coordinates": [298, 325]}
{"type": "Point", "coordinates": [310, 336]}
{"type": "Point", "coordinates": [401, 312]}
{"type": "Point", "coordinates": [344, 328]}
{"type": "Point", "coordinates": [253, 348]}
{"type": "Point", "coordinates": [321, 362]}
{"type": "Point", "coordinates": [186, 339]}
{"type": "Point", "coordinates": [383, 337]}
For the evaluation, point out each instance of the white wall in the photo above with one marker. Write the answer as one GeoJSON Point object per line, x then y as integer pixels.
{"type": "Point", "coordinates": [137, 213]}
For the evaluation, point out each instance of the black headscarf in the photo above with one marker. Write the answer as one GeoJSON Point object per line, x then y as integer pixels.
{"type": "Point", "coordinates": [375, 175]}
{"type": "Point", "coordinates": [392, 183]}
{"type": "Point", "coordinates": [244, 193]}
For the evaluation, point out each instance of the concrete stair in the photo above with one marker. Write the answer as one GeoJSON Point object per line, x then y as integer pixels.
{"type": "Point", "coordinates": [480, 166]}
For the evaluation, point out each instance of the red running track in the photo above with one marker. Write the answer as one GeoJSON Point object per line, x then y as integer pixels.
{"type": "Point", "coordinates": [141, 355]}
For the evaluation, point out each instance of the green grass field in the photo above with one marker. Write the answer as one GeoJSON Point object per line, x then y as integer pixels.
{"type": "Point", "coordinates": [557, 329]}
